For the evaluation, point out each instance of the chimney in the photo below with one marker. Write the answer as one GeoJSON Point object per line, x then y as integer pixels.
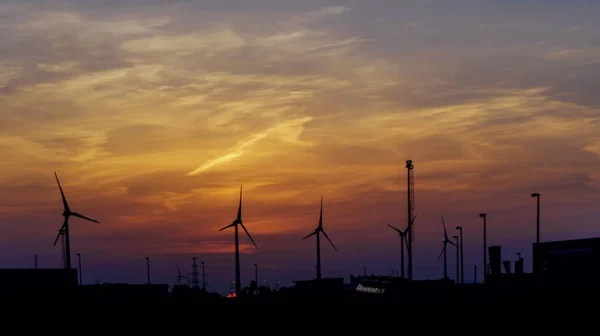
{"type": "Point", "coordinates": [495, 253]}
{"type": "Point", "coordinates": [506, 264]}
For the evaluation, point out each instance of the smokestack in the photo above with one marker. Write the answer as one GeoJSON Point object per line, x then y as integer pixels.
{"type": "Point", "coordinates": [506, 264]}
{"type": "Point", "coordinates": [35, 261]}
{"type": "Point", "coordinates": [495, 253]}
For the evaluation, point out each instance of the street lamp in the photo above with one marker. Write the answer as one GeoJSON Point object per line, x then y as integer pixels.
{"type": "Point", "coordinates": [148, 269]}
{"type": "Point", "coordinates": [79, 260]}
{"type": "Point", "coordinates": [485, 269]}
{"type": "Point", "coordinates": [203, 277]}
{"type": "Point", "coordinates": [462, 260]}
{"type": "Point", "coordinates": [537, 226]}
{"type": "Point", "coordinates": [457, 255]}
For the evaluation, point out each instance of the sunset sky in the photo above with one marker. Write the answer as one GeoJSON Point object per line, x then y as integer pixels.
{"type": "Point", "coordinates": [153, 113]}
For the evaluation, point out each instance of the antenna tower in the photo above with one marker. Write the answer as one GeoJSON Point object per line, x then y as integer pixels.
{"type": "Point", "coordinates": [411, 209]}
{"type": "Point", "coordinates": [411, 198]}
{"type": "Point", "coordinates": [194, 274]}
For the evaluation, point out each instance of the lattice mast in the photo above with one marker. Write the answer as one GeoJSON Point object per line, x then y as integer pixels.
{"type": "Point", "coordinates": [410, 217]}
{"type": "Point", "coordinates": [194, 274]}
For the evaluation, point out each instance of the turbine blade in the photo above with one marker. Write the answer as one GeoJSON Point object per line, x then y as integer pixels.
{"type": "Point", "coordinates": [83, 217]}
{"type": "Point", "coordinates": [441, 253]}
{"type": "Point", "coordinates": [413, 220]}
{"type": "Point", "coordinates": [57, 237]}
{"type": "Point", "coordinates": [312, 234]}
{"type": "Point", "coordinates": [178, 270]}
{"type": "Point", "coordinates": [249, 236]}
{"type": "Point", "coordinates": [395, 229]}
{"type": "Point", "coordinates": [330, 242]}
{"type": "Point", "coordinates": [228, 226]}
{"type": "Point", "coordinates": [60, 231]}
{"type": "Point", "coordinates": [321, 214]}
{"type": "Point", "coordinates": [445, 232]}
{"type": "Point", "coordinates": [62, 194]}
{"type": "Point", "coordinates": [451, 243]}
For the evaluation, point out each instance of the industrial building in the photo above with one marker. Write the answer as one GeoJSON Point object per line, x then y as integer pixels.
{"type": "Point", "coordinates": [567, 263]}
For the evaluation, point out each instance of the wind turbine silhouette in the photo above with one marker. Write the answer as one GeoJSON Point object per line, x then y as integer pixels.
{"type": "Point", "coordinates": [402, 235]}
{"type": "Point", "coordinates": [238, 222]}
{"type": "Point", "coordinates": [179, 276]}
{"type": "Point", "coordinates": [318, 230]}
{"type": "Point", "coordinates": [64, 230]}
{"type": "Point", "coordinates": [446, 241]}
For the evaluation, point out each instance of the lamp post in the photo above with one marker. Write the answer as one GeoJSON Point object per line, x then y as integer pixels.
{"type": "Point", "coordinates": [462, 260]}
{"type": "Point", "coordinates": [537, 224]}
{"type": "Point", "coordinates": [485, 268]}
{"type": "Point", "coordinates": [80, 277]}
{"type": "Point", "coordinates": [148, 269]}
{"type": "Point", "coordinates": [457, 255]}
{"type": "Point", "coordinates": [203, 277]}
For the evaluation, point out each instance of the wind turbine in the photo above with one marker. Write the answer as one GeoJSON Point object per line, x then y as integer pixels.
{"type": "Point", "coordinates": [238, 222]}
{"type": "Point", "coordinates": [64, 230]}
{"type": "Point", "coordinates": [179, 276]}
{"type": "Point", "coordinates": [318, 230]}
{"type": "Point", "coordinates": [402, 235]}
{"type": "Point", "coordinates": [446, 241]}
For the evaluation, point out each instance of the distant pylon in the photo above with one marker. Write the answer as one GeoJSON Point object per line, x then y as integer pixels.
{"type": "Point", "coordinates": [194, 274]}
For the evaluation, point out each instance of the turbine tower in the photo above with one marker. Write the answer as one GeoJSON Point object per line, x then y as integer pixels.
{"type": "Point", "coordinates": [446, 241]}
{"type": "Point", "coordinates": [402, 235]}
{"type": "Point", "coordinates": [318, 230]}
{"type": "Point", "coordinates": [235, 224]}
{"type": "Point", "coordinates": [64, 230]}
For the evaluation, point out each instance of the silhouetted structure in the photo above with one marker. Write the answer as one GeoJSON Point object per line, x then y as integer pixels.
{"type": "Point", "coordinates": [411, 208]}
{"type": "Point", "coordinates": [462, 259]}
{"type": "Point", "coordinates": [238, 222]}
{"type": "Point", "coordinates": [402, 234]}
{"type": "Point", "coordinates": [485, 262]}
{"type": "Point", "coordinates": [180, 276]}
{"type": "Point", "coordinates": [457, 258]}
{"type": "Point", "coordinates": [64, 230]}
{"type": "Point", "coordinates": [537, 222]}
{"type": "Point", "coordinates": [318, 230]}
{"type": "Point", "coordinates": [570, 263]}
{"type": "Point", "coordinates": [444, 252]}
{"type": "Point", "coordinates": [195, 282]}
